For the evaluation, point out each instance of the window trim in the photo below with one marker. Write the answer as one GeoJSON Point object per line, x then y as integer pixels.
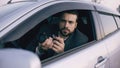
{"type": "Point", "coordinates": [117, 23]}
{"type": "Point", "coordinates": [107, 14]}
{"type": "Point", "coordinates": [41, 14]}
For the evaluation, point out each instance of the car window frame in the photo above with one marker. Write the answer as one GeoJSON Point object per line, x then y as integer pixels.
{"type": "Point", "coordinates": [50, 11]}
{"type": "Point", "coordinates": [28, 24]}
{"type": "Point", "coordinates": [117, 22]}
{"type": "Point", "coordinates": [107, 14]}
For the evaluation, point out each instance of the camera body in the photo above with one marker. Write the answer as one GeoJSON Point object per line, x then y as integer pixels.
{"type": "Point", "coordinates": [44, 36]}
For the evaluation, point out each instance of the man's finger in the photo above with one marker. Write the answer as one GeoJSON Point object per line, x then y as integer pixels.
{"type": "Point", "coordinates": [61, 40]}
{"type": "Point", "coordinates": [57, 48]}
{"type": "Point", "coordinates": [54, 49]}
{"type": "Point", "coordinates": [61, 45]}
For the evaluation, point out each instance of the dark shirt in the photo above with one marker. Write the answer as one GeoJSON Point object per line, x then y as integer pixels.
{"type": "Point", "coordinates": [77, 38]}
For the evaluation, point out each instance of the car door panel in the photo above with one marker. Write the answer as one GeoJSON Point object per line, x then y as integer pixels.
{"type": "Point", "coordinates": [85, 58]}
{"type": "Point", "coordinates": [113, 45]}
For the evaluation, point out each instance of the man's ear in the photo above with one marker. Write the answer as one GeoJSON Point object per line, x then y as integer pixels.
{"type": "Point", "coordinates": [76, 25]}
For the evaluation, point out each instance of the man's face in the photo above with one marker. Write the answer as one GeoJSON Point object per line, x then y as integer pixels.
{"type": "Point", "coordinates": [68, 24]}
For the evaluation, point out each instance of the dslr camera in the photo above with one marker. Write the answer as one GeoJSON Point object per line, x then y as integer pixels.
{"type": "Point", "coordinates": [44, 36]}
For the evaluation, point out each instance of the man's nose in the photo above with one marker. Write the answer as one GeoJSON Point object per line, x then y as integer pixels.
{"type": "Point", "coordinates": [66, 24]}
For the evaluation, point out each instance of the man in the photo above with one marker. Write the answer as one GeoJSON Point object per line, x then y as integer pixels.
{"type": "Point", "coordinates": [67, 37]}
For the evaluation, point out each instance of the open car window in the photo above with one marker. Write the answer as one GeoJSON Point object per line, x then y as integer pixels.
{"type": "Point", "coordinates": [44, 30]}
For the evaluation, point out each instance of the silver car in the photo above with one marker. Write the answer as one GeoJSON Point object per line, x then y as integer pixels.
{"type": "Point", "coordinates": [20, 21]}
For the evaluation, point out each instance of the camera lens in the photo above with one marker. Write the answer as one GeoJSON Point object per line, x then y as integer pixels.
{"type": "Point", "coordinates": [42, 38]}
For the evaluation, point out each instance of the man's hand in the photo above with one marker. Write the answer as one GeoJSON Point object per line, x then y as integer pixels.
{"type": "Point", "coordinates": [47, 44]}
{"type": "Point", "coordinates": [58, 45]}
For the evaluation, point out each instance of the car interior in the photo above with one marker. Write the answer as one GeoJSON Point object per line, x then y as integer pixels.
{"type": "Point", "coordinates": [85, 26]}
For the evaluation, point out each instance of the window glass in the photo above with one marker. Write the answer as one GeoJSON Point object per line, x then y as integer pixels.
{"type": "Point", "coordinates": [108, 23]}
{"type": "Point", "coordinates": [118, 21]}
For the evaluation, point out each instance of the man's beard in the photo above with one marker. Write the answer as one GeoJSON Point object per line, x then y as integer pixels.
{"type": "Point", "coordinates": [64, 33]}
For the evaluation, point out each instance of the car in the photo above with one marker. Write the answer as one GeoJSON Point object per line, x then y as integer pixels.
{"type": "Point", "coordinates": [21, 21]}
{"type": "Point", "coordinates": [22, 59]}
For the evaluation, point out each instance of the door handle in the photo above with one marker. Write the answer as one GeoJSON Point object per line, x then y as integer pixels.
{"type": "Point", "coordinates": [101, 62]}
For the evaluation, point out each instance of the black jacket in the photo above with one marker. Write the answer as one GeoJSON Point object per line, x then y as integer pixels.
{"type": "Point", "coordinates": [75, 39]}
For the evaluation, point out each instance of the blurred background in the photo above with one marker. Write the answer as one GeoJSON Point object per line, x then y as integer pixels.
{"type": "Point", "coordinates": [112, 4]}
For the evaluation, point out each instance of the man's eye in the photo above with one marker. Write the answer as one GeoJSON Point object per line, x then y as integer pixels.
{"type": "Point", "coordinates": [71, 22]}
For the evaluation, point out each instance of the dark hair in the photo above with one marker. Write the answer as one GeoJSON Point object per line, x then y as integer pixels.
{"type": "Point", "coordinates": [70, 12]}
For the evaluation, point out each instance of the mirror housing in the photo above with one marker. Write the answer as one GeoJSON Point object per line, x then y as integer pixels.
{"type": "Point", "coordinates": [18, 58]}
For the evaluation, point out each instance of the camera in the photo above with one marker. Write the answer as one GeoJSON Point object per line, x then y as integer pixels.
{"type": "Point", "coordinates": [44, 36]}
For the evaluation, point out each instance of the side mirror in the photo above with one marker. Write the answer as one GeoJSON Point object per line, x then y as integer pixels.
{"type": "Point", "coordinates": [18, 58]}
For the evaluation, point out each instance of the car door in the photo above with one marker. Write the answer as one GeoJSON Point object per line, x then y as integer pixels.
{"type": "Point", "coordinates": [90, 55]}
{"type": "Point", "coordinates": [112, 33]}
